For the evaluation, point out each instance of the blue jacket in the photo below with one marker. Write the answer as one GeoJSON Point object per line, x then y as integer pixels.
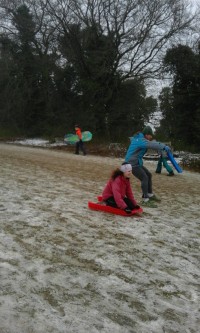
{"type": "Point", "coordinates": [138, 147]}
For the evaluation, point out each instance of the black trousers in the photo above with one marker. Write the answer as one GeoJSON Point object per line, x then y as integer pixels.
{"type": "Point", "coordinates": [80, 145]}
{"type": "Point", "coordinates": [111, 202]}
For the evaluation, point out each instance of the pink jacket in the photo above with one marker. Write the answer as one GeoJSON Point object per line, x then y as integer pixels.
{"type": "Point", "coordinates": [119, 188]}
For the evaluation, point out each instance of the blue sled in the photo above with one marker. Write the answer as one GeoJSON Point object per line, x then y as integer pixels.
{"type": "Point", "coordinates": [174, 163]}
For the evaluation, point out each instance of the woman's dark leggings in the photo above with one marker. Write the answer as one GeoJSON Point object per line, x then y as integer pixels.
{"type": "Point", "coordinates": [111, 202]}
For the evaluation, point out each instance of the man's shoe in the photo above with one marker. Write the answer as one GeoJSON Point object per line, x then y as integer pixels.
{"type": "Point", "coordinates": [154, 198]}
{"type": "Point", "coordinates": [149, 204]}
{"type": "Point", "coordinates": [170, 174]}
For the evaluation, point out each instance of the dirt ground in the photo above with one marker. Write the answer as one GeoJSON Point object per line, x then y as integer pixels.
{"type": "Point", "coordinates": [67, 269]}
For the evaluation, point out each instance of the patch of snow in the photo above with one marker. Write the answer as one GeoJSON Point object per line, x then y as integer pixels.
{"type": "Point", "coordinates": [37, 142]}
{"type": "Point", "coordinates": [65, 268]}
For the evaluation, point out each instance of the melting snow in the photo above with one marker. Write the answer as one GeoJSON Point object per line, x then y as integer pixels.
{"type": "Point", "coordinates": [65, 268]}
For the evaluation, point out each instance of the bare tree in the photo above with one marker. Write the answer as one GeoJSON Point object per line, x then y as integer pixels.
{"type": "Point", "coordinates": [141, 29]}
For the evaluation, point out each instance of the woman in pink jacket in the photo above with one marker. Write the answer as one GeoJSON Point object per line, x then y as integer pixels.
{"type": "Point", "coordinates": [117, 192]}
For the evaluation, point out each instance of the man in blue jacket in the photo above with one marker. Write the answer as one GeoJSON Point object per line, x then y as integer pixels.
{"type": "Point", "coordinates": [138, 147]}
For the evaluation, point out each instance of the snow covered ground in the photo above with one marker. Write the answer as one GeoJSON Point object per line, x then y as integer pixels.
{"type": "Point", "coordinates": [38, 142]}
{"type": "Point", "coordinates": [65, 268]}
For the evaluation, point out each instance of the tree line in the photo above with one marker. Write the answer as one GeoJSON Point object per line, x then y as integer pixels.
{"type": "Point", "coordinates": [180, 103]}
{"type": "Point", "coordinates": [88, 61]}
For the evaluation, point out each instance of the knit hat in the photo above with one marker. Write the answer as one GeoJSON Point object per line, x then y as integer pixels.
{"type": "Point", "coordinates": [147, 130]}
{"type": "Point", "coordinates": [125, 167]}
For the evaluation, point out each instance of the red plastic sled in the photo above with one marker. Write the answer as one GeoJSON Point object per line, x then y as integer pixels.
{"type": "Point", "coordinates": [108, 209]}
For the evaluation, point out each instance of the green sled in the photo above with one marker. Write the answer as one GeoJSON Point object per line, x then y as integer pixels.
{"type": "Point", "coordinates": [73, 138]}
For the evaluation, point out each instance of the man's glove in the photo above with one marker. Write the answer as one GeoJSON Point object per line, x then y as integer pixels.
{"type": "Point", "coordinates": [167, 149]}
{"type": "Point", "coordinates": [128, 210]}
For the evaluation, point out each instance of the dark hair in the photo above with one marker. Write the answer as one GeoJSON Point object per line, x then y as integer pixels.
{"type": "Point", "coordinates": [117, 172]}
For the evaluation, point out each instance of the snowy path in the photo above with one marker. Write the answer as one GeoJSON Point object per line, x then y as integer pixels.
{"type": "Point", "coordinates": [65, 269]}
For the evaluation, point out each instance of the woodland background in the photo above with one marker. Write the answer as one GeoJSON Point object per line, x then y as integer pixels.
{"type": "Point", "coordinates": [92, 62]}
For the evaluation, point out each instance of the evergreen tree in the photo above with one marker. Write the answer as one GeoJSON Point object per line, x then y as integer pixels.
{"type": "Point", "coordinates": [70, 61]}
{"type": "Point", "coordinates": [110, 42]}
{"type": "Point", "coordinates": [92, 55]}
{"type": "Point", "coordinates": [131, 109]}
{"type": "Point", "coordinates": [182, 117]}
